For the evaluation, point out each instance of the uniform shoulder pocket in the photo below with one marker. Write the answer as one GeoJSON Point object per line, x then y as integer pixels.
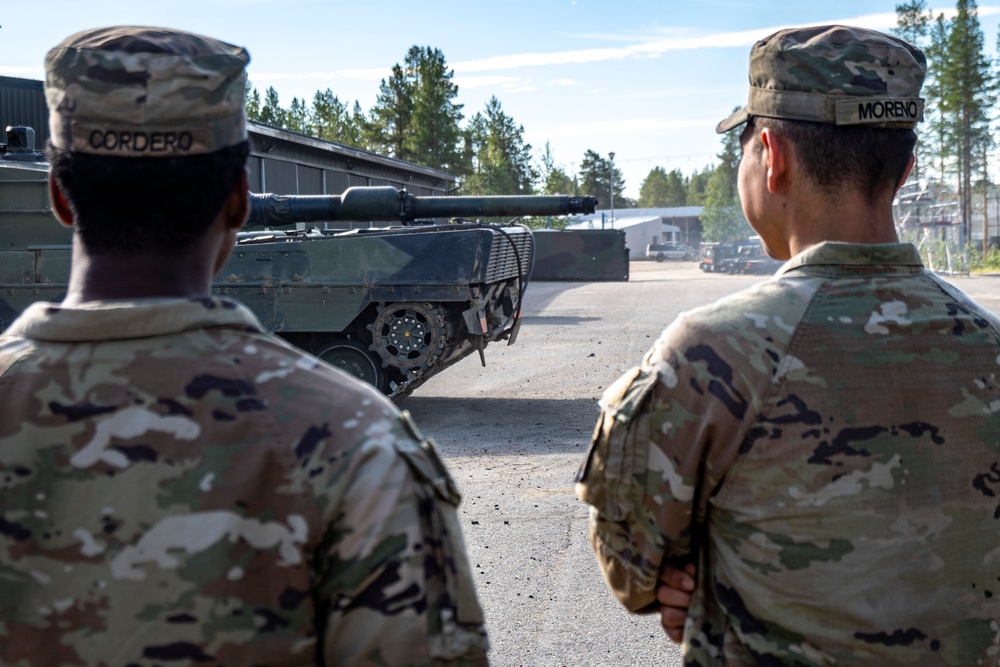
{"type": "Point", "coordinates": [451, 593]}
{"type": "Point", "coordinates": [422, 457]}
{"type": "Point", "coordinates": [611, 478]}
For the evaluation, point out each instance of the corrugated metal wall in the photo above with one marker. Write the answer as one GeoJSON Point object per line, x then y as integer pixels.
{"type": "Point", "coordinates": [281, 162]}
{"type": "Point", "coordinates": [22, 102]}
{"type": "Point", "coordinates": [329, 168]}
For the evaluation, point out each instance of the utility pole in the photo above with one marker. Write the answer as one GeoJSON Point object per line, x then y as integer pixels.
{"type": "Point", "coordinates": [611, 185]}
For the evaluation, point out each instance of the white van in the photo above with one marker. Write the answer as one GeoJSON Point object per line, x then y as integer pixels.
{"type": "Point", "coordinates": [665, 251]}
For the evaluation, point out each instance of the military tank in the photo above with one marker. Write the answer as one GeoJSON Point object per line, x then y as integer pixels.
{"type": "Point", "coordinates": [392, 305]}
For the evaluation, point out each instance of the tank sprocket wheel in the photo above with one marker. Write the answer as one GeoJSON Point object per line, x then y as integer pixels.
{"type": "Point", "coordinates": [408, 335]}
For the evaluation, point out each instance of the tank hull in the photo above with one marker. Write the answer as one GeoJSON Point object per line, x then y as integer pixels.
{"type": "Point", "coordinates": [392, 305]}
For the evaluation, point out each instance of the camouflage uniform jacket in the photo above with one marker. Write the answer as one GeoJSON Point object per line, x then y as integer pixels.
{"type": "Point", "coordinates": [178, 487]}
{"type": "Point", "coordinates": [826, 447]}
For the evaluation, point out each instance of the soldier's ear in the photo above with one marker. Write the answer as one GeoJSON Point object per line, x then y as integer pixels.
{"type": "Point", "coordinates": [777, 155]}
{"type": "Point", "coordinates": [60, 205]}
{"type": "Point", "coordinates": [237, 206]}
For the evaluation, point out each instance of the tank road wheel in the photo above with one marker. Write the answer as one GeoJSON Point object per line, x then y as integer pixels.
{"type": "Point", "coordinates": [354, 359]}
{"type": "Point", "coordinates": [408, 335]}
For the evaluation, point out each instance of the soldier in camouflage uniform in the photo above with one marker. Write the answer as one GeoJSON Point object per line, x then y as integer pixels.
{"type": "Point", "coordinates": [825, 446]}
{"type": "Point", "coordinates": [179, 487]}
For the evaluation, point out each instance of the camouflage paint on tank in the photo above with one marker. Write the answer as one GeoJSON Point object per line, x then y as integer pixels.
{"type": "Point", "coordinates": [580, 254]}
{"type": "Point", "coordinates": [339, 295]}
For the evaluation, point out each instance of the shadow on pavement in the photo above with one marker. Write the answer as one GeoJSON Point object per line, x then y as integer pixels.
{"type": "Point", "coordinates": [483, 426]}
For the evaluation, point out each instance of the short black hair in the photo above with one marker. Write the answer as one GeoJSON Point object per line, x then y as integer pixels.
{"type": "Point", "coordinates": [153, 206]}
{"type": "Point", "coordinates": [867, 159]}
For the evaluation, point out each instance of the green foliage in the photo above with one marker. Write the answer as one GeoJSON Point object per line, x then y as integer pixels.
{"type": "Point", "coordinates": [697, 183]}
{"type": "Point", "coordinates": [662, 190]}
{"type": "Point", "coordinates": [331, 120]}
{"type": "Point", "coordinates": [596, 178]}
{"type": "Point", "coordinates": [390, 118]}
{"type": "Point", "coordinates": [297, 116]}
{"type": "Point", "coordinates": [961, 90]}
{"type": "Point", "coordinates": [271, 112]}
{"type": "Point", "coordinates": [967, 92]}
{"type": "Point", "coordinates": [433, 136]}
{"type": "Point", "coordinates": [722, 217]}
{"type": "Point", "coordinates": [992, 262]}
{"type": "Point", "coordinates": [502, 160]}
{"type": "Point", "coordinates": [252, 102]}
{"type": "Point", "coordinates": [554, 178]}
{"type": "Point", "coordinates": [677, 187]}
{"type": "Point", "coordinates": [912, 22]}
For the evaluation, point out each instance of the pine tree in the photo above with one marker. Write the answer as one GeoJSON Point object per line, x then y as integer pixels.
{"type": "Point", "coordinates": [968, 85]}
{"type": "Point", "coordinates": [553, 177]}
{"type": "Point", "coordinates": [297, 116]}
{"type": "Point", "coordinates": [722, 216]}
{"type": "Point", "coordinates": [662, 189]}
{"type": "Point", "coordinates": [934, 116]}
{"type": "Point", "coordinates": [676, 188]}
{"type": "Point", "coordinates": [390, 119]}
{"type": "Point", "coordinates": [271, 112]}
{"type": "Point", "coordinates": [697, 183]}
{"type": "Point", "coordinates": [435, 137]}
{"type": "Point", "coordinates": [913, 23]}
{"type": "Point", "coordinates": [596, 179]}
{"type": "Point", "coordinates": [252, 102]}
{"type": "Point", "coordinates": [653, 191]}
{"type": "Point", "coordinates": [502, 160]}
{"type": "Point", "coordinates": [330, 119]}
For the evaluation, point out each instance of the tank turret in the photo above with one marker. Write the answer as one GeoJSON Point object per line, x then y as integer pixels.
{"type": "Point", "coordinates": [391, 305]}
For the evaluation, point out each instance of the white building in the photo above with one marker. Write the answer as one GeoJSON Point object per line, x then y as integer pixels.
{"type": "Point", "coordinates": [648, 226]}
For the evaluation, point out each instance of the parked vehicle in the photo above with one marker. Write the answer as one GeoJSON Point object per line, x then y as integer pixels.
{"type": "Point", "coordinates": [713, 256]}
{"type": "Point", "coordinates": [750, 258]}
{"type": "Point", "coordinates": [664, 251]}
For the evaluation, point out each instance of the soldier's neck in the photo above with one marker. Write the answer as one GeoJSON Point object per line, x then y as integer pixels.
{"type": "Point", "coordinates": [142, 276]}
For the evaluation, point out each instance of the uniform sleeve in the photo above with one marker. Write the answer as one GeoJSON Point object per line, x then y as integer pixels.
{"type": "Point", "coordinates": [394, 573]}
{"type": "Point", "coordinates": [668, 431]}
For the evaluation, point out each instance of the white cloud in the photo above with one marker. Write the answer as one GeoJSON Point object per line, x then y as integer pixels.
{"type": "Point", "coordinates": [491, 81]}
{"type": "Point", "coordinates": [657, 46]}
{"type": "Point", "coordinates": [562, 82]}
{"type": "Point", "coordinates": [621, 126]}
{"type": "Point", "coordinates": [651, 47]}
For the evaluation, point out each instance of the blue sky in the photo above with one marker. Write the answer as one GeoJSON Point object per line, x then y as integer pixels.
{"type": "Point", "coordinates": [647, 80]}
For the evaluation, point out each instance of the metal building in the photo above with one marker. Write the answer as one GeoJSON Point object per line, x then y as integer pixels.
{"type": "Point", "coordinates": [289, 163]}
{"type": "Point", "coordinates": [281, 162]}
{"type": "Point", "coordinates": [22, 102]}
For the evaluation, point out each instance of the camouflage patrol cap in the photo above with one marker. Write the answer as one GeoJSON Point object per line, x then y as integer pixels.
{"type": "Point", "coordinates": [834, 74]}
{"type": "Point", "coordinates": [145, 92]}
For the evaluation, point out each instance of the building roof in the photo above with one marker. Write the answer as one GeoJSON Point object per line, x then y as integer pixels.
{"type": "Point", "coordinates": [667, 212]}
{"type": "Point", "coordinates": [343, 149]}
{"type": "Point", "coordinates": [590, 222]}
{"type": "Point", "coordinates": [626, 217]}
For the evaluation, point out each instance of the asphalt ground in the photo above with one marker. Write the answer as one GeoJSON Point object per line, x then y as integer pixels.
{"type": "Point", "coordinates": [514, 433]}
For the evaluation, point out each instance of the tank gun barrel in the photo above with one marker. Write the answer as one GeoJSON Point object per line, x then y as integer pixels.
{"type": "Point", "coordinates": [386, 203]}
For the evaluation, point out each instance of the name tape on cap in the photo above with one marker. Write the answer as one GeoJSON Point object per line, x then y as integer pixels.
{"type": "Point", "coordinates": [137, 142]}
{"type": "Point", "coordinates": [879, 110]}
